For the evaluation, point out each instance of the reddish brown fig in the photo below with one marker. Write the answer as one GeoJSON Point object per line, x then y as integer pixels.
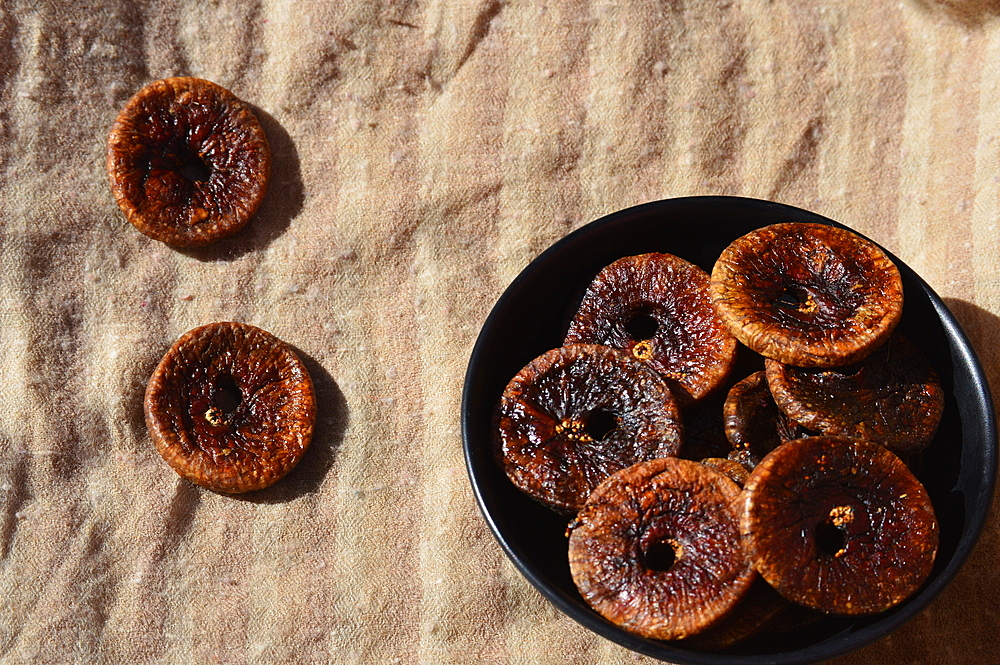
{"type": "Point", "coordinates": [656, 307]}
{"type": "Point", "coordinates": [838, 525]}
{"type": "Point", "coordinates": [731, 469]}
{"type": "Point", "coordinates": [755, 614]}
{"type": "Point", "coordinates": [189, 162]}
{"type": "Point", "coordinates": [656, 550]}
{"type": "Point", "coordinates": [809, 295]}
{"type": "Point", "coordinates": [230, 407]}
{"type": "Point", "coordinates": [578, 413]}
{"type": "Point", "coordinates": [753, 422]}
{"type": "Point", "coordinates": [892, 397]}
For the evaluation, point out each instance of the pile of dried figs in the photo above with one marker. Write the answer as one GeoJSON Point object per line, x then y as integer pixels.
{"type": "Point", "coordinates": [734, 449]}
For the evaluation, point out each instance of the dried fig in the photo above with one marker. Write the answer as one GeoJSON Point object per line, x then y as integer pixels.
{"type": "Point", "coordinates": [656, 307]}
{"type": "Point", "coordinates": [809, 295]}
{"type": "Point", "coordinates": [838, 525]}
{"type": "Point", "coordinates": [892, 397]}
{"type": "Point", "coordinates": [656, 550]}
{"type": "Point", "coordinates": [578, 413]}
{"type": "Point", "coordinates": [753, 422]}
{"type": "Point", "coordinates": [230, 407]}
{"type": "Point", "coordinates": [189, 162]}
{"type": "Point", "coordinates": [731, 469]}
{"type": "Point", "coordinates": [755, 614]}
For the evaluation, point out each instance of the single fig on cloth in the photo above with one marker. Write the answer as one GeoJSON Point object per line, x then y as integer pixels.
{"type": "Point", "coordinates": [188, 161]}
{"type": "Point", "coordinates": [230, 407]}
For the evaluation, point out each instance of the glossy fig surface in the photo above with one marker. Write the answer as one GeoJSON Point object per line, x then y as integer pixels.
{"type": "Point", "coordinates": [230, 407]}
{"type": "Point", "coordinates": [656, 307]}
{"type": "Point", "coordinates": [892, 397]}
{"type": "Point", "coordinates": [656, 550]}
{"type": "Point", "coordinates": [839, 525]}
{"type": "Point", "coordinates": [807, 294]}
{"type": "Point", "coordinates": [188, 161]}
{"type": "Point", "coordinates": [578, 413]}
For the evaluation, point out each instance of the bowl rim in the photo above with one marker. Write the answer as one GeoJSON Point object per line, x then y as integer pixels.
{"type": "Point", "coordinates": [963, 355]}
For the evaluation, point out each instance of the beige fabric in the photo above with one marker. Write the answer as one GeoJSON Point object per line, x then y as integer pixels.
{"type": "Point", "coordinates": [424, 153]}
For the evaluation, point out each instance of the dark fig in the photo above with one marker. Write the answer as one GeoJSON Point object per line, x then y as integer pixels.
{"type": "Point", "coordinates": [656, 307]}
{"type": "Point", "coordinates": [838, 525]}
{"type": "Point", "coordinates": [753, 422]}
{"type": "Point", "coordinates": [656, 550]}
{"type": "Point", "coordinates": [188, 161]}
{"type": "Point", "coordinates": [809, 295]}
{"type": "Point", "coordinates": [893, 397]}
{"type": "Point", "coordinates": [230, 407]}
{"type": "Point", "coordinates": [577, 414]}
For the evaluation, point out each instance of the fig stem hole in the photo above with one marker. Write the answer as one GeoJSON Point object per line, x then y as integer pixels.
{"type": "Point", "coordinates": [794, 296]}
{"type": "Point", "coordinates": [195, 170]}
{"type": "Point", "coordinates": [789, 297]}
{"type": "Point", "coordinates": [600, 423]}
{"type": "Point", "coordinates": [227, 395]}
{"type": "Point", "coordinates": [642, 326]}
{"type": "Point", "coordinates": [661, 555]}
{"type": "Point", "coordinates": [830, 539]}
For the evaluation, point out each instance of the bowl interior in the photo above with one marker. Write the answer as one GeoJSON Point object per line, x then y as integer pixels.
{"type": "Point", "coordinates": [531, 317]}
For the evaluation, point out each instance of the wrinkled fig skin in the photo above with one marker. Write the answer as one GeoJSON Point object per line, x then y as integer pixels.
{"type": "Point", "coordinates": [755, 614]}
{"type": "Point", "coordinates": [690, 346]}
{"type": "Point", "coordinates": [230, 447]}
{"type": "Point", "coordinates": [809, 295]}
{"type": "Point", "coordinates": [753, 422]}
{"type": "Point", "coordinates": [668, 500]}
{"type": "Point", "coordinates": [183, 125]}
{"type": "Point", "coordinates": [884, 531]}
{"type": "Point", "coordinates": [545, 445]}
{"type": "Point", "coordinates": [892, 397]}
{"type": "Point", "coordinates": [731, 469]}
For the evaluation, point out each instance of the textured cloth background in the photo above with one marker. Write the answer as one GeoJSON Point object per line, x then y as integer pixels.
{"type": "Point", "coordinates": [424, 152]}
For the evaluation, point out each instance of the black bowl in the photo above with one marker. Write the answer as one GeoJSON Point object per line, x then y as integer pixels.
{"type": "Point", "coordinates": [530, 318]}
